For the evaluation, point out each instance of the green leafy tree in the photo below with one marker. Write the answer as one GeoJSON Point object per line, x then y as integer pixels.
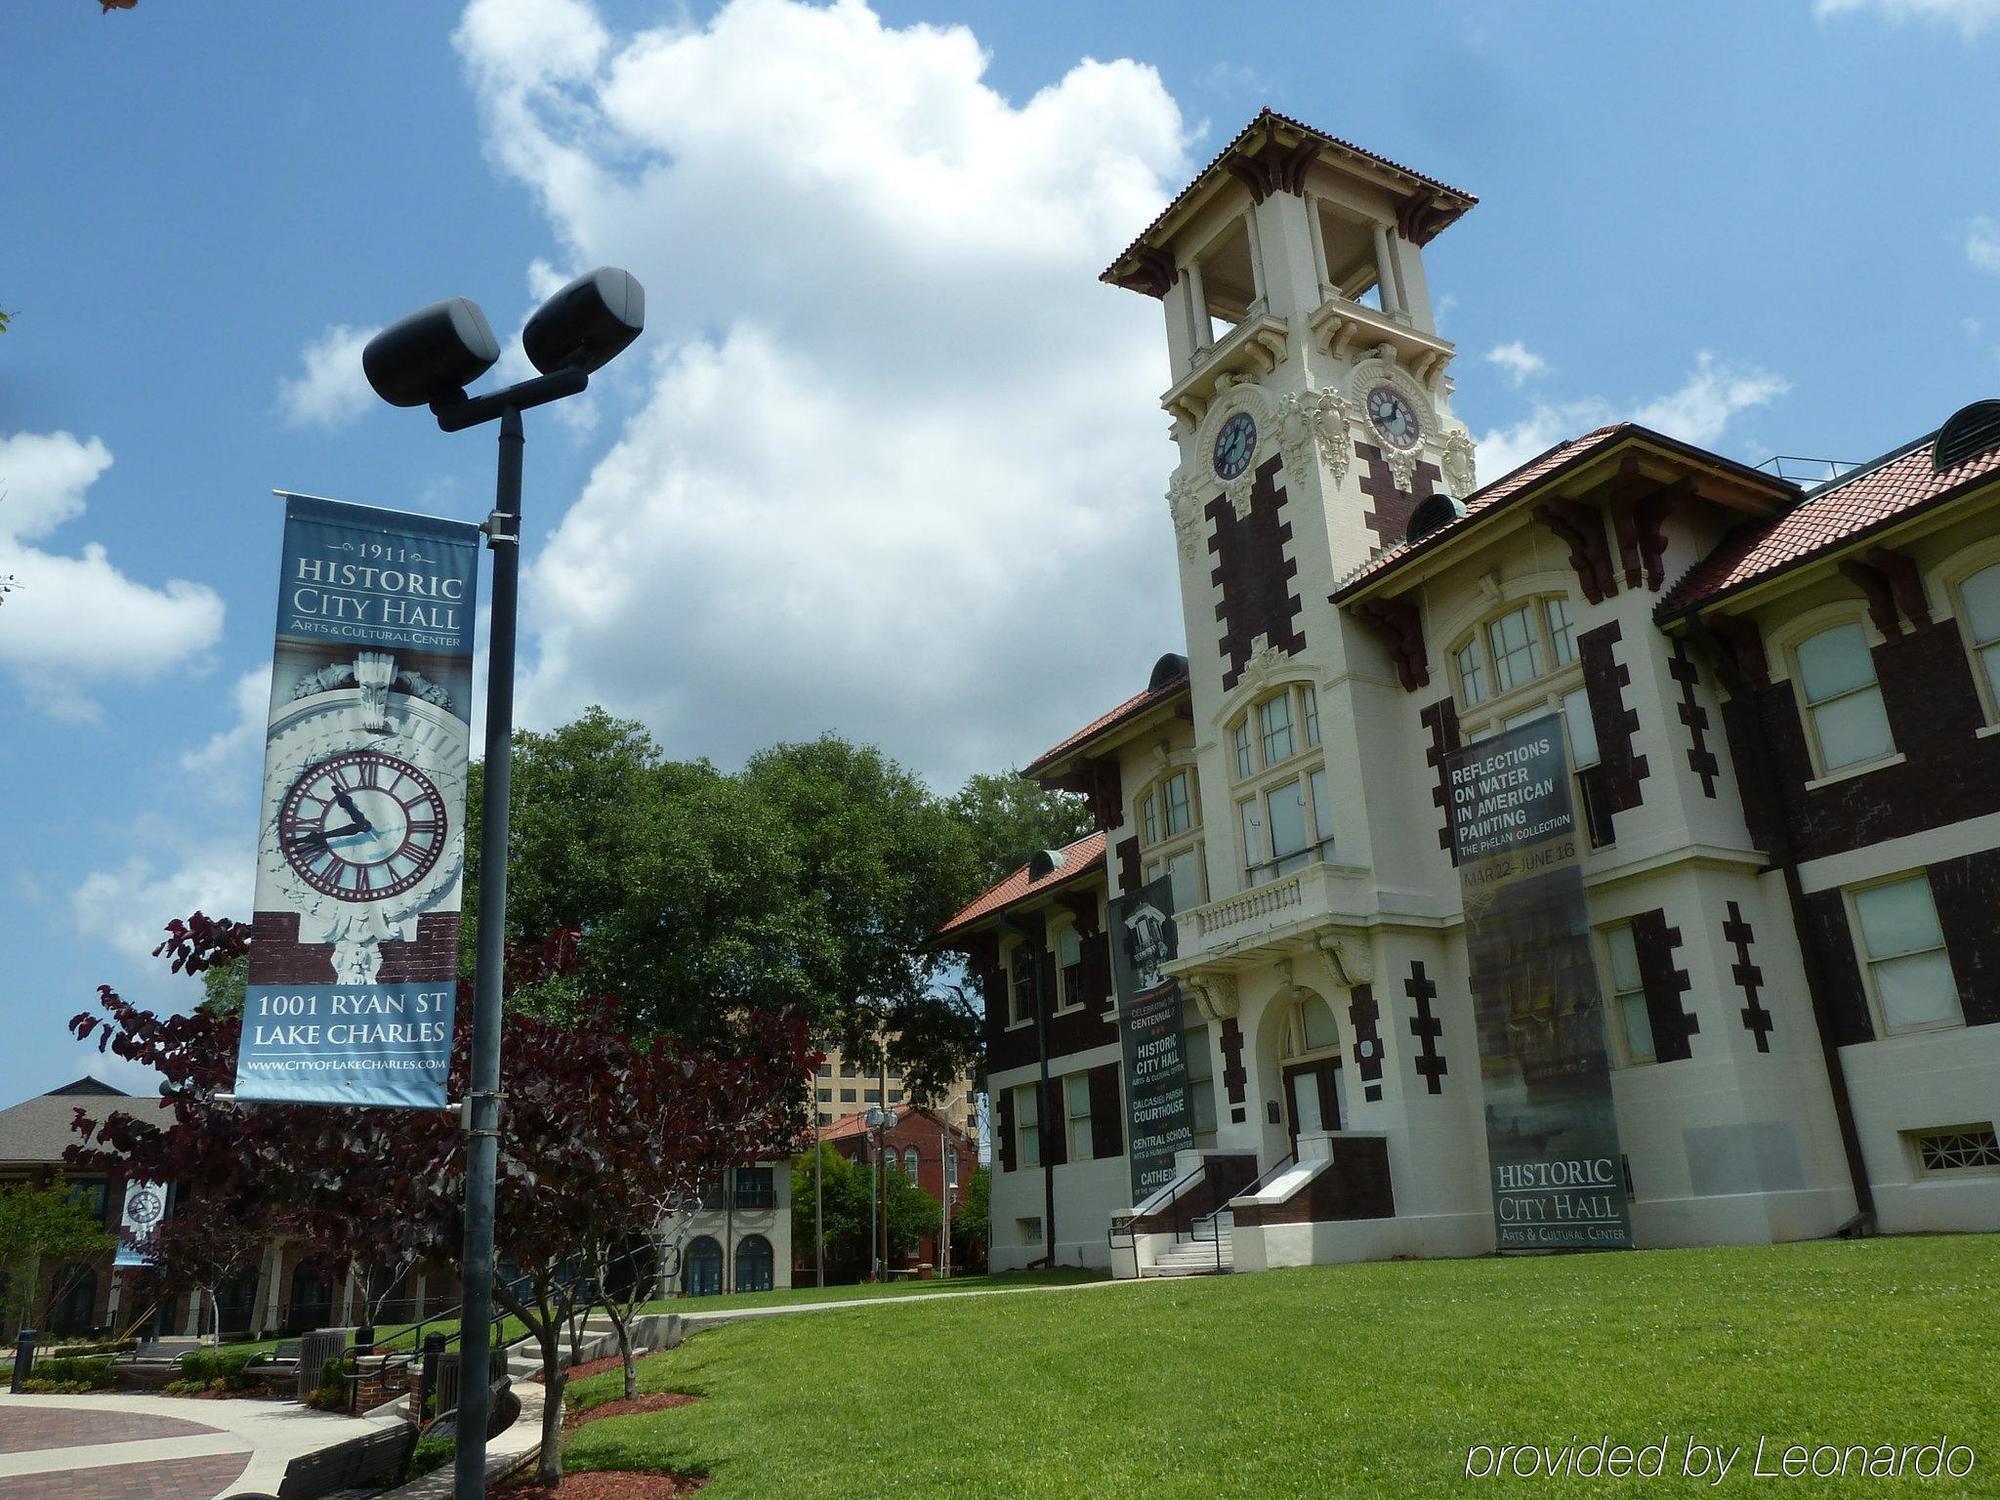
{"type": "Point", "coordinates": [41, 1225]}
{"type": "Point", "coordinates": [849, 1190]}
{"type": "Point", "coordinates": [912, 1212]}
{"type": "Point", "coordinates": [1008, 818]}
{"type": "Point", "coordinates": [971, 1216]}
{"type": "Point", "coordinates": [222, 986]}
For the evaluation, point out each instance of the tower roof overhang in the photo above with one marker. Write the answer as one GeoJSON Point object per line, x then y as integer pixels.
{"type": "Point", "coordinates": [1271, 154]}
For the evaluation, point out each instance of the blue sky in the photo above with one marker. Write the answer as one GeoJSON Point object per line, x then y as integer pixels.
{"type": "Point", "coordinates": [888, 461]}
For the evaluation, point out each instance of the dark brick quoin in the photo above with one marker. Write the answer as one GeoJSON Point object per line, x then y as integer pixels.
{"type": "Point", "coordinates": [1948, 773]}
{"type": "Point", "coordinates": [1654, 942]}
{"type": "Point", "coordinates": [1233, 1076]}
{"type": "Point", "coordinates": [1749, 978]}
{"type": "Point", "coordinates": [1127, 851]}
{"type": "Point", "coordinates": [1426, 1027]}
{"type": "Point", "coordinates": [1365, 1016]}
{"type": "Point", "coordinates": [1701, 759]}
{"type": "Point", "coordinates": [1967, 892]}
{"type": "Point", "coordinates": [1254, 575]}
{"type": "Point", "coordinates": [1389, 518]}
{"type": "Point", "coordinates": [1620, 767]}
{"type": "Point", "coordinates": [1441, 719]}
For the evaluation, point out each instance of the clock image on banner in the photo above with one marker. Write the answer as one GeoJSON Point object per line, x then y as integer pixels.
{"type": "Point", "coordinates": [361, 856]}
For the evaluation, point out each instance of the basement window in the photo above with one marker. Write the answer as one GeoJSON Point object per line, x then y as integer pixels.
{"type": "Point", "coordinates": [1955, 1150]}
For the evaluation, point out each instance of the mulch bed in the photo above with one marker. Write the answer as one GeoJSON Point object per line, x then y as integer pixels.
{"type": "Point", "coordinates": [653, 1401]}
{"type": "Point", "coordinates": [591, 1367]}
{"type": "Point", "coordinates": [610, 1484]}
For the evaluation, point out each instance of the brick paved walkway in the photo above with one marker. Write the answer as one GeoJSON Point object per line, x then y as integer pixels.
{"type": "Point", "coordinates": [21, 1430]}
{"type": "Point", "coordinates": [168, 1479]}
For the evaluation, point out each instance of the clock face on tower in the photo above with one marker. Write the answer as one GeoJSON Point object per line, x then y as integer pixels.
{"type": "Point", "coordinates": [1391, 415]}
{"type": "Point", "coordinates": [1235, 445]}
{"type": "Point", "coordinates": [362, 825]}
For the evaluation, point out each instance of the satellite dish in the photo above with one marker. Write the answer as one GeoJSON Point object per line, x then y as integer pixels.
{"type": "Point", "coordinates": [1433, 513]}
{"type": "Point", "coordinates": [1971, 431]}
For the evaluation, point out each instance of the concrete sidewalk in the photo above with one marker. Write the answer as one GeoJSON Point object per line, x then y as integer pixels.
{"type": "Point", "coordinates": [157, 1447]}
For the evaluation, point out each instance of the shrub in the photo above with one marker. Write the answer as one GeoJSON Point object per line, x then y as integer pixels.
{"type": "Point", "coordinates": [108, 1346]}
{"type": "Point", "coordinates": [431, 1453]}
{"type": "Point", "coordinates": [331, 1392]}
{"type": "Point", "coordinates": [73, 1374]}
{"type": "Point", "coordinates": [216, 1369]}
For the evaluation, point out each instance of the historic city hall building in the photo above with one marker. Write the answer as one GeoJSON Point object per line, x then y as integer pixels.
{"type": "Point", "coordinates": [1782, 707]}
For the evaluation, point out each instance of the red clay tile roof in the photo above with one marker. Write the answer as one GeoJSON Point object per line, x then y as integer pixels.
{"type": "Point", "coordinates": [1080, 858]}
{"type": "Point", "coordinates": [857, 1123]}
{"type": "Point", "coordinates": [1498, 492]}
{"type": "Point", "coordinates": [1264, 117]}
{"type": "Point", "coordinates": [1131, 708]}
{"type": "Point", "coordinates": [1831, 516]}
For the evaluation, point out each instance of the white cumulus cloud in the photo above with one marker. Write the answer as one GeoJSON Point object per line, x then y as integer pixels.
{"type": "Point", "coordinates": [74, 619]}
{"type": "Point", "coordinates": [1698, 411]}
{"type": "Point", "coordinates": [896, 473]}
{"type": "Point", "coordinates": [227, 747]}
{"type": "Point", "coordinates": [331, 391]}
{"type": "Point", "coordinates": [1982, 243]}
{"type": "Point", "coordinates": [129, 906]}
{"type": "Point", "coordinates": [1516, 361]}
{"type": "Point", "coordinates": [1970, 16]}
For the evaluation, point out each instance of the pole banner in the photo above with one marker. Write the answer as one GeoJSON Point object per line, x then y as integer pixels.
{"type": "Point", "coordinates": [145, 1206]}
{"type": "Point", "coordinates": [1159, 1118]}
{"type": "Point", "coordinates": [361, 851]}
{"type": "Point", "coordinates": [1551, 1131]}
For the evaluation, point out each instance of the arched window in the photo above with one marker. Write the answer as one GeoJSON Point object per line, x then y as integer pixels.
{"type": "Point", "coordinates": [1284, 809]}
{"type": "Point", "coordinates": [701, 1268]}
{"type": "Point", "coordinates": [1841, 698]}
{"type": "Point", "coordinates": [1311, 1028]}
{"type": "Point", "coordinates": [1169, 814]}
{"type": "Point", "coordinates": [1979, 607]}
{"type": "Point", "coordinates": [755, 1264]}
{"type": "Point", "coordinates": [910, 1162]}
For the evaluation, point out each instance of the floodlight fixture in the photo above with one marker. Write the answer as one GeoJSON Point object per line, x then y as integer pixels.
{"type": "Point", "coordinates": [431, 355]}
{"type": "Point", "coordinates": [588, 323]}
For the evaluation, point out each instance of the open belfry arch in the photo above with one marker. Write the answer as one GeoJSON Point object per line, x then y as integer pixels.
{"type": "Point", "coordinates": [1359, 604]}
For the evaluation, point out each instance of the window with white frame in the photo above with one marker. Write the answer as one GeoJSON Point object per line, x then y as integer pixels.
{"type": "Point", "coordinates": [1529, 639]}
{"type": "Point", "coordinates": [1562, 635]}
{"type": "Point", "coordinates": [1842, 700]}
{"type": "Point", "coordinates": [1027, 1127]}
{"type": "Point", "coordinates": [1979, 608]}
{"type": "Point", "coordinates": [1169, 830]}
{"type": "Point", "coordinates": [1284, 808]}
{"type": "Point", "coordinates": [1069, 963]}
{"type": "Point", "coordinates": [910, 1162]}
{"type": "Point", "coordinates": [1201, 1084]}
{"type": "Point", "coordinates": [1902, 949]}
{"type": "Point", "coordinates": [1076, 1098]}
{"type": "Point", "coordinates": [1628, 995]}
{"type": "Point", "coordinates": [1021, 1006]}
{"type": "Point", "coordinates": [1956, 1149]}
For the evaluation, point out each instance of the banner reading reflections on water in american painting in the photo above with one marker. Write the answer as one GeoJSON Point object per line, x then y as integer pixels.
{"type": "Point", "coordinates": [1551, 1133]}
{"type": "Point", "coordinates": [1159, 1117]}
{"type": "Point", "coordinates": [361, 853]}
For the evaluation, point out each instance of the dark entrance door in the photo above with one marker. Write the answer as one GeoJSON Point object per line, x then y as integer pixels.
{"type": "Point", "coordinates": [1312, 1096]}
{"type": "Point", "coordinates": [312, 1300]}
{"type": "Point", "coordinates": [701, 1273]}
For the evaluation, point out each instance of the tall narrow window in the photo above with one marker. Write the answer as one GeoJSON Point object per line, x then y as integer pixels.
{"type": "Point", "coordinates": [1246, 759]}
{"type": "Point", "coordinates": [1981, 593]}
{"type": "Point", "coordinates": [1274, 724]}
{"type": "Point", "coordinates": [1843, 700]}
{"type": "Point", "coordinates": [1562, 635]}
{"type": "Point", "coordinates": [1027, 1127]}
{"type": "Point", "coordinates": [1076, 1094]}
{"type": "Point", "coordinates": [1201, 1084]}
{"type": "Point", "coordinates": [1471, 673]}
{"type": "Point", "coordinates": [1512, 638]}
{"type": "Point", "coordinates": [1149, 821]}
{"type": "Point", "coordinates": [910, 1162]}
{"type": "Point", "coordinates": [1177, 810]}
{"type": "Point", "coordinates": [1024, 985]}
{"type": "Point", "coordinates": [1254, 853]}
{"type": "Point", "coordinates": [1184, 869]}
{"type": "Point", "coordinates": [1309, 704]}
{"type": "Point", "coordinates": [1069, 954]}
{"type": "Point", "coordinates": [1628, 995]}
{"type": "Point", "coordinates": [1288, 825]}
{"type": "Point", "coordinates": [1908, 967]}
{"type": "Point", "coordinates": [1322, 809]}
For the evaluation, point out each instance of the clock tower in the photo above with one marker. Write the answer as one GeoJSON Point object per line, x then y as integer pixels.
{"type": "Point", "coordinates": [1309, 395]}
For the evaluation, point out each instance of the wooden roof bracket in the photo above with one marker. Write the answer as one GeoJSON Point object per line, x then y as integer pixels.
{"type": "Point", "coordinates": [1400, 626]}
{"type": "Point", "coordinates": [1589, 555]}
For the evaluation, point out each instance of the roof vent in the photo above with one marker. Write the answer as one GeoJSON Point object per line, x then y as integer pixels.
{"type": "Point", "coordinates": [1169, 668]}
{"type": "Point", "coordinates": [1043, 863]}
{"type": "Point", "coordinates": [1433, 513]}
{"type": "Point", "coordinates": [1970, 431]}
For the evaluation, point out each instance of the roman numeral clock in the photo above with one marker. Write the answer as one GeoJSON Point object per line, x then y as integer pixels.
{"type": "Point", "coordinates": [366, 765]}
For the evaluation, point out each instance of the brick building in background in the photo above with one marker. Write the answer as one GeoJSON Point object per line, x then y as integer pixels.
{"type": "Point", "coordinates": [1781, 706]}
{"type": "Point", "coordinates": [923, 1144]}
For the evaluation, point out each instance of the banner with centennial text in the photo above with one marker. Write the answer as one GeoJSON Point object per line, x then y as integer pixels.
{"type": "Point", "coordinates": [1159, 1117]}
{"type": "Point", "coordinates": [1551, 1132]}
{"type": "Point", "coordinates": [361, 851]}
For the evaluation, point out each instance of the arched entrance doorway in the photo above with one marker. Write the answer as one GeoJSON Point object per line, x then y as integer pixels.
{"type": "Point", "coordinates": [1315, 1096]}
{"type": "Point", "coordinates": [754, 1264]}
{"type": "Point", "coordinates": [701, 1268]}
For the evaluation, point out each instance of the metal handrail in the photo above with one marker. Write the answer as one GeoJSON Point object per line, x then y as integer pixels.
{"type": "Point", "coordinates": [399, 1359]}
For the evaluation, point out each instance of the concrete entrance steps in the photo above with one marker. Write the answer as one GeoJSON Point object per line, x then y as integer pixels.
{"type": "Point", "coordinates": [1195, 1258]}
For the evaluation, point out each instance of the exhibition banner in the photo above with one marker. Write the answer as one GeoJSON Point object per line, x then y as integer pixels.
{"type": "Point", "coordinates": [1551, 1133]}
{"type": "Point", "coordinates": [145, 1207]}
{"type": "Point", "coordinates": [361, 855]}
{"type": "Point", "coordinates": [1159, 1117]}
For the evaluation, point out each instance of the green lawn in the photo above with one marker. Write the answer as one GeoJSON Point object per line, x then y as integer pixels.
{"type": "Point", "coordinates": [1366, 1380]}
{"type": "Point", "coordinates": [793, 1295]}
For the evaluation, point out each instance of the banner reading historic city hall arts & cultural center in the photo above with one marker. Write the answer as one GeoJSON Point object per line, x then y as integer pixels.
{"type": "Point", "coordinates": [361, 855]}
{"type": "Point", "coordinates": [1159, 1119]}
{"type": "Point", "coordinates": [1551, 1134]}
